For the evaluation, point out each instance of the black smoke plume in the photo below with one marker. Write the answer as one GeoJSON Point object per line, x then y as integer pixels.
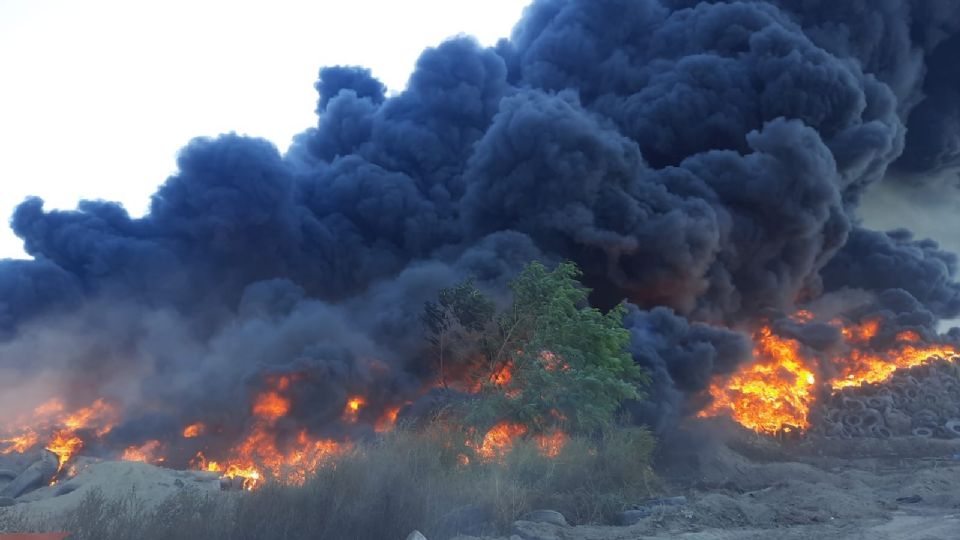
{"type": "Point", "coordinates": [701, 160]}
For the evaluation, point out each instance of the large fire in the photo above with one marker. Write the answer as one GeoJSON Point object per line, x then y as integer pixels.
{"type": "Point", "coordinates": [773, 393]}
{"type": "Point", "coordinates": [776, 392]}
{"type": "Point", "coordinates": [271, 446]}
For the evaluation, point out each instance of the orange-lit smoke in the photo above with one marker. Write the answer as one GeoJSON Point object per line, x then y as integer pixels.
{"type": "Point", "coordinates": [57, 430]}
{"type": "Point", "coordinates": [194, 430]}
{"type": "Point", "coordinates": [147, 452]}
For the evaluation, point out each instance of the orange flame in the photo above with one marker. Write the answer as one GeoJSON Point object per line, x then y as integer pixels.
{"type": "Point", "coordinates": [65, 444]}
{"type": "Point", "coordinates": [20, 443]}
{"type": "Point", "coordinates": [776, 392]}
{"type": "Point", "coordinates": [499, 440]}
{"type": "Point", "coordinates": [388, 421]}
{"type": "Point", "coordinates": [351, 412]}
{"type": "Point", "coordinates": [263, 453]}
{"type": "Point", "coordinates": [271, 405]}
{"type": "Point", "coordinates": [772, 393]}
{"type": "Point", "coordinates": [194, 430]}
{"type": "Point", "coordinates": [502, 376]}
{"type": "Point", "coordinates": [59, 432]}
{"type": "Point", "coordinates": [552, 444]}
{"type": "Point", "coordinates": [146, 452]}
{"type": "Point", "coordinates": [864, 368]}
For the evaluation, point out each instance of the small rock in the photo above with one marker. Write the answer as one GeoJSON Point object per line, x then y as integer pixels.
{"type": "Point", "coordinates": [632, 517]}
{"type": "Point", "coordinates": [913, 499]}
{"type": "Point", "coordinates": [7, 501]}
{"type": "Point", "coordinates": [547, 516]}
{"type": "Point", "coordinates": [416, 535]}
{"type": "Point", "coordinates": [529, 530]}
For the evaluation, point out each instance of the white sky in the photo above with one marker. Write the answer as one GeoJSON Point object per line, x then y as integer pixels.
{"type": "Point", "coordinates": [97, 96]}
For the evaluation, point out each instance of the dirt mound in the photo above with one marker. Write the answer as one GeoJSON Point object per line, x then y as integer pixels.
{"type": "Point", "coordinates": [114, 479]}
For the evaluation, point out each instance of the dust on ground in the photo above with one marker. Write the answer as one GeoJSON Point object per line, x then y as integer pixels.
{"type": "Point", "coordinates": [752, 487]}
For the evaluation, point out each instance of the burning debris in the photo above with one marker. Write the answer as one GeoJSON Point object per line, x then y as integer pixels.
{"type": "Point", "coordinates": [777, 392]}
{"type": "Point", "coordinates": [922, 401]}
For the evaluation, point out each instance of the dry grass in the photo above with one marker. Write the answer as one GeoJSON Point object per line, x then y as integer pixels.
{"type": "Point", "coordinates": [407, 480]}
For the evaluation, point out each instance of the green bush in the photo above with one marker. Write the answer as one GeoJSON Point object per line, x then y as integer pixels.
{"type": "Point", "coordinates": [568, 362]}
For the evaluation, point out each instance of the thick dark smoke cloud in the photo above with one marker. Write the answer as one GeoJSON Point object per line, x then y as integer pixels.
{"type": "Point", "coordinates": [895, 260]}
{"type": "Point", "coordinates": [702, 160]}
{"type": "Point", "coordinates": [910, 46]}
{"type": "Point", "coordinates": [933, 139]}
{"type": "Point", "coordinates": [681, 357]}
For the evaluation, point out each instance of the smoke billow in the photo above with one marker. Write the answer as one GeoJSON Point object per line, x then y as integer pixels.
{"type": "Point", "coordinates": [701, 160]}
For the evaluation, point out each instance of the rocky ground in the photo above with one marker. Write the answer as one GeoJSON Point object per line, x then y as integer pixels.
{"type": "Point", "coordinates": [750, 487]}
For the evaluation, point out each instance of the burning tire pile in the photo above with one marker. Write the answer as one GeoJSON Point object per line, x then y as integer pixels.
{"type": "Point", "coordinates": [923, 401]}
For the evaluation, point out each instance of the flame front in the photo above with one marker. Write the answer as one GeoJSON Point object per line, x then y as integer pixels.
{"type": "Point", "coordinates": [773, 393]}
{"type": "Point", "coordinates": [262, 451]}
{"type": "Point", "coordinates": [862, 367]}
{"type": "Point", "coordinates": [271, 445]}
{"type": "Point", "coordinates": [776, 392]}
{"type": "Point", "coordinates": [148, 452]}
{"type": "Point", "coordinates": [60, 432]}
{"type": "Point", "coordinates": [499, 440]}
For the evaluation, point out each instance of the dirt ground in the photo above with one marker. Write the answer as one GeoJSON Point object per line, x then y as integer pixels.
{"type": "Point", "coordinates": [743, 486]}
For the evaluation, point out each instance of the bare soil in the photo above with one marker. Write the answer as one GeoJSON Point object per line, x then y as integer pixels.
{"type": "Point", "coordinates": [744, 486]}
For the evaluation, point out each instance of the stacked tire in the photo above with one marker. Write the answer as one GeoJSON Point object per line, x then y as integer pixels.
{"type": "Point", "coordinates": [923, 401]}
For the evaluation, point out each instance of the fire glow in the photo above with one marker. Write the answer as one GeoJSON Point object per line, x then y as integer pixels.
{"type": "Point", "coordinates": [262, 453]}
{"type": "Point", "coordinates": [776, 392]}
{"type": "Point", "coordinates": [501, 438]}
{"type": "Point", "coordinates": [271, 446]}
{"type": "Point", "coordinates": [59, 431]}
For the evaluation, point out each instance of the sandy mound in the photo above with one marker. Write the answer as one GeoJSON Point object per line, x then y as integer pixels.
{"type": "Point", "coordinates": [115, 479]}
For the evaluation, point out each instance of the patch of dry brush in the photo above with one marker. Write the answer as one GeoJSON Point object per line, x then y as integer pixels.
{"type": "Point", "coordinates": [404, 481]}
